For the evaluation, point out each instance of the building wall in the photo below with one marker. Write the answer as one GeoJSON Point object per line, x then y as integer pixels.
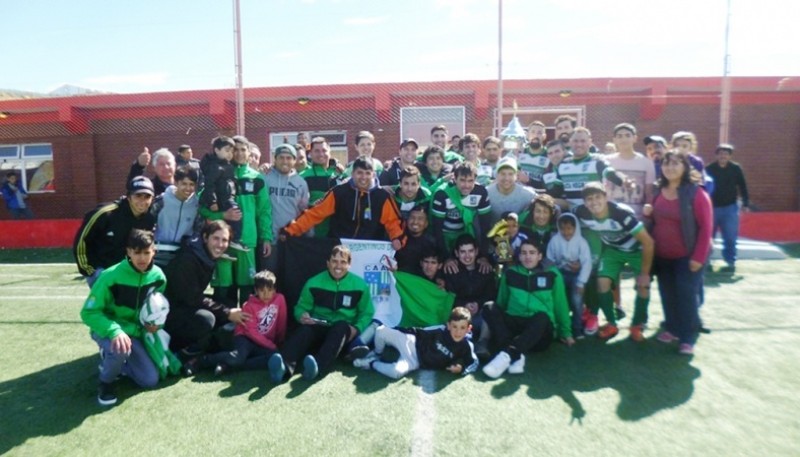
{"type": "Point", "coordinates": [92, 162]}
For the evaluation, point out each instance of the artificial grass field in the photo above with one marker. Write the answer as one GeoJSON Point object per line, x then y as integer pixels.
{"type": "Point", "coordinates": [739, 394]}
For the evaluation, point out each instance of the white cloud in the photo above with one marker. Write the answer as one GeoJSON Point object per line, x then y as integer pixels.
{"type": "Point", "coordinates": [140, 79]}
{"type": "Point", "coordinates": [369, 20]}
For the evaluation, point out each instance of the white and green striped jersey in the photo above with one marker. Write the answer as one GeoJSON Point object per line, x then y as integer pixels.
{"type": "Point", "coordinates": [618, 230]}
{"type": "Point", "coordinates": [573, 174]}
{"type": "Point", "coordinates": [535, 166]}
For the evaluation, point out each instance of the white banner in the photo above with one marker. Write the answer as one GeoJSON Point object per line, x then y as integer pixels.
{"type": "Point", "coordinates": [367, 264]}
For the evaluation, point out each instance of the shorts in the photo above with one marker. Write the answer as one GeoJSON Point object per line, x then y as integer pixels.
{"type": "Point", "coordinates": [612, 261]}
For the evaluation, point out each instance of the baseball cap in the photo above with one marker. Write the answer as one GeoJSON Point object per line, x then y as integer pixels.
{"type": "Point", "coordinates": [507, 162]}
{"type": "Point", "coordinates": [724, 147]}
{"type": "Point", "coordinates": [655, 139]}
{"type": "Point", "coordinates": [141, 185]}
{"type": "Point", "coordinates": [408, 141]}
{"type": "Point", "coordinates": [286, 149]}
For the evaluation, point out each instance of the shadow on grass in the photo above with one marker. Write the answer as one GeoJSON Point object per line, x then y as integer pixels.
{"type": "Point", "coordinates": [38, 255]}
{"type": "Point", "coordinates": [52, 402]}
{"type": "Point", "coordinates": [648, 377]}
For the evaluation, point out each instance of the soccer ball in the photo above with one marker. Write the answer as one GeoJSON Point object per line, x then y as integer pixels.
{"type": "Point", "coordinates": [155, 310]}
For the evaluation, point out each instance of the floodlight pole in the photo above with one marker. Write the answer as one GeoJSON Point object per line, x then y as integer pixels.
{"type": "Point", "coordinates": [498, 119]}
{"type": "Point", "coordinates": [725, 96]}
{"type": "Point", "coordinates": [237, 44]}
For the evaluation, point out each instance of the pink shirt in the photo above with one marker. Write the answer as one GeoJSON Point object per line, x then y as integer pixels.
{"type": "Point", "coordinates": [267, 324]}
{"type": "Point", "coordinates": [667, 231]}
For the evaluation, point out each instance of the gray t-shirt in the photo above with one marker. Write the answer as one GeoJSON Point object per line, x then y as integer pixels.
{"type": "Point", "coordinates": [517, 201]}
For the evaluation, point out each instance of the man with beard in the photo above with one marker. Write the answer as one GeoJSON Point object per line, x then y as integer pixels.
{"type": "Point", "coordinates": [533, 160]}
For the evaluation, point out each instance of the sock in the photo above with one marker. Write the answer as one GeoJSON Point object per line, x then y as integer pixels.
{"type": "Point", "coordinates": [640, 311]}
{"type": "Point", "coordinates": [606, 302]}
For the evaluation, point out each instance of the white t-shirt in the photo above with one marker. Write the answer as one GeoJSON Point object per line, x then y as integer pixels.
{"type": "Point", "coordinates": [638, 168]}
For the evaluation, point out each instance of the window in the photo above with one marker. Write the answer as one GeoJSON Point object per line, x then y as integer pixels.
{"type": "Point", "coordinates": [337, 139]}
{"type": "Point", "coordinates": [32, 162]}
{"type": "Point", "coordinates": [416, 122]}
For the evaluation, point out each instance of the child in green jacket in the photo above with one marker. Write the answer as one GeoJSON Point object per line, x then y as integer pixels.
{"type": "Point", "coordinates": [112, 314]}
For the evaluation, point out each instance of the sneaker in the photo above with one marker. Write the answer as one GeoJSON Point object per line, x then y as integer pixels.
{"type": "Point", "coordinates": [227, 257]}
{"type": "Point", "coordinates": [686, 349]}
{"type": "Point", "coordinates": [518, 367]}
{"type": "Point", "coordinates": [585, 315]}
{"type": "Point", "coordinates": [607, 332]}
{"type": "Point", "coordinates": [358, 352]}
{"type": "Point", "coordinates": [221, 369]}
{"type": "Point", "coordinates": [591, 324]}
{"type": "Point", "coordinates": [620, 313]}
{"type": "Point", "coordinates": [277, 369]}
{"type": "Point", "coordinates": [237, 246]}
{"type": "Point", "coordinates": [310, 368]}
{"type": "Point", "coordinates": [365, 363]}
{"type": "Point", "coordinates": [190, 367]}
{"type": "Point", "coordinates": [666, 337]}
{"type": "Point", "coordinates": [498, 365]}
{"type": "Point", "coordinates": [105, 394]}
{"type": "Point", "coordinates": [636, 333]}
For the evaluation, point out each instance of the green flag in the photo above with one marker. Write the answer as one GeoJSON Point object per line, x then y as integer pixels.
{"type": "Point", "coordinates": [423, 303]}
{"type": "Point", "coordinates": [157, 346]}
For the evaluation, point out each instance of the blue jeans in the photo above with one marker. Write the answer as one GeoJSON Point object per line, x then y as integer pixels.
{"type": "Point", "coordinates": [575, 301]}
{"type": "Point", "coordinates": [137, 365]}
{"type": "Point", "coordinates": [726, 219]}
{"type": "Point", "coordinates": [679, 287]}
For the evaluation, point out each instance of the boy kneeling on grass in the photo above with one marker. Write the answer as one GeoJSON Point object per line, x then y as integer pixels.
{"type": "Point", "coordinates": [256, 339]}
{"type": "Point", "coordinates": [112, 314]}
{"type": "Point", "coordinates": [531, 309]}
{"type": "Point", "coordinates": [437, 348]}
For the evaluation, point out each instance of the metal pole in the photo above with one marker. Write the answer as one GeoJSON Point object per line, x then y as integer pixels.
{"type": "Point", "coordinates": [725, 96]}
{"type": "Point", "coordinates": [498, 121]}
{"type": "Point", "coordinates": [237, 38]}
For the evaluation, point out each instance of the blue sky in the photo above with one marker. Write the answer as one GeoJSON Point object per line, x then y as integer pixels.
{"type": "Point", "coordinates": [164, 45]}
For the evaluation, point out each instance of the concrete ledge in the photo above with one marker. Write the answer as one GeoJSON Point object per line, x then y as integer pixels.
{"type": "Point", "coordinates": [59, 233]}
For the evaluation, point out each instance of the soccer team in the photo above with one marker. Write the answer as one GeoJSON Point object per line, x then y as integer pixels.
{"type": "Point", "coordinates": [529, 243]}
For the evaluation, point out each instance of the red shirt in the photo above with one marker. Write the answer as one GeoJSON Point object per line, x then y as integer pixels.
{"type": "Point", "coordinates": [267, 324]}
{"type": "Point", "coordinates": [667, 231]}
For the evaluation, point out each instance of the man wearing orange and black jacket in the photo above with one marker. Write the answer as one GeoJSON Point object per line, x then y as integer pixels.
{"type": "Point", "coordinates": [357, 209]}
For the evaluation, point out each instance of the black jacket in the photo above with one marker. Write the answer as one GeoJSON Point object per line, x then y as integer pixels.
{"type": "Point", "coordinates": [188, 275]}
{"type": "Point", "coordinates": [103, 235]}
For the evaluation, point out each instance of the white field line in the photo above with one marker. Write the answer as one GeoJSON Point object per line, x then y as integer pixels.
{"type": "Point", "coordinates": [44, 297]}
{"type": "Point", "coordinates": [48, 288]}
{"type": "Point", "coordinates": [424, 417]}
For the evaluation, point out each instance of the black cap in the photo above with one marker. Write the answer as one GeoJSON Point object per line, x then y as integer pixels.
{"type": "Point", "coordinates": [408, 141]}
{"type": "Point", "coordinates": [655, 139]}
{"type": "Point", "coordinates": [141, 185]}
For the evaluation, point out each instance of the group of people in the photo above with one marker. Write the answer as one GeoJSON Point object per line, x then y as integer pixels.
{"type": "Point", "coordinates": [530, 244]}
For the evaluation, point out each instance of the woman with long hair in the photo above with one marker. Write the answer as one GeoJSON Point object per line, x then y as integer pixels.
{"type": "Point", "coordinates": [682, 223]}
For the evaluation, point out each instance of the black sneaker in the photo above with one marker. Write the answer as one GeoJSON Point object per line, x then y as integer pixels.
{"type": "Point", "coordinates": [620, 313]}
{"type": "Point", "coordinates": [358, 352]}
{"type": "Point", "coordinates": [220, 369]}
{"type": "Point", "coordinates": [105, 394]}
{"type": "Point", "coordinates": [189, 367]}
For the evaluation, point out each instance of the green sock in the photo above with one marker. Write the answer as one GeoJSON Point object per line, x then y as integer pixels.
{"type": "Point", "coordinates": [606, 302]}
{"type": "Point", "coordinates": [640, 310]}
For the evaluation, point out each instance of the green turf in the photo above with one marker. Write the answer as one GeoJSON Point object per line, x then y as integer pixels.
{"type": "Point", "coordinates": [737, 396]}
{"type": "Point", "coordinates": [37, 255]}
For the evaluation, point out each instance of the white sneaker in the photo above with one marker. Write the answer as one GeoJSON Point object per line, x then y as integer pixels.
{"type": "Point", "coordinates": [498, 365]}
{"type": "Point", "coordinates": [518, 367]}
{"type": "Point", "coordinates": [365, 362]}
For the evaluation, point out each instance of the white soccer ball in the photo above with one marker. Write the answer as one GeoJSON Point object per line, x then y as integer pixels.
{"type": "Point", "coordinates": [155, 310]}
